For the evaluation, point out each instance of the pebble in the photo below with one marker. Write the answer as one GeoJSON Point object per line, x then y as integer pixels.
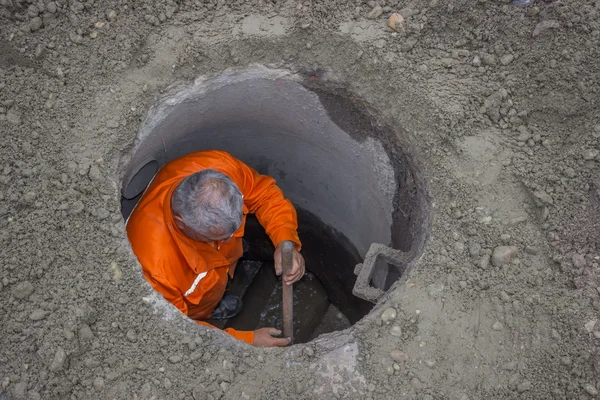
{"type": "Point", "coordinates": [497, 326]}
{"type": "Point", "coordinates": [416, 383]}
{"type": "Point", "coordinates": [60, 359]}
{"type": "Point", "coordinates": [375, 12]}
{"type": "Point", "coordinates": [38, 315]}
{"type": "Point", "coordinates": [589, 326]}
{"type": "Point", "coordinates": [523, 386]}
{"type": "Point", "coordinates": [94, 173]}
{"type": "Point", "coordinates": [19, 391]}
{"type": "Point", "coordinates": [474, 249]}
{"type": "Point", "coordinates": [476, 61]}
{"type": "Point", "coordinates": [544, 26]}
{"type": "Point", "coordinates": [371, 387]}
{"type": "Point", "coordinates": [35, 24]}
{"type": "Point", "coordinates": [99, 383]}
{"type": "Point", "coordinates": [308, 351]}
{"type": "Point", "coordinates": [77, 207]}
{"type": "Point", "coordinates": [578, 261]}
{"type": "Point", "coordinates": [13, 116]}
{"type": "Point", "coordinates": [86, 334]}
{"type": "Point", "coordinates": [23, 290]}
{"type": "Point", "coordinates": [590, 389]}
{"type": "Point", "coordinates": [395, 330]}
{"type": "Point", "coordinates": [503, 255]}
{"type": "Point", "coordinates": [32, 11]}
{"type": "Point", "coordinates": [398, 355]}
{"type": "Point", "coordinates": [531, 250]}
{"type": "Point", "coordinates": [463, 284]}
{"type": "Point", "coordinates": [388, 315]}
{"type": "Point", "coordinates": [111, 15]}
{"type": "Point", "coordinates": [131, 336]}
{"type": "Point", "coordinates": [488, 59]}
{"type": "Point", "coordinates": [590, 154]}
{"type": "Point", "coordinates": [484, 262]}
{"type": "Point", "coordinates": [75, 38]}
{"type": "Point", "coordinates": [504, 296]}
{"type": "Point", "coordinates": [175, 359]}
{"type": "Point", "coordinates": [570, 172]}
{"type": "Point", "coordinates": [51, 7]}
{"type": "Point", "coordinates": [506, 59]}
{"type": "Point", "coordinates": [396, 22]}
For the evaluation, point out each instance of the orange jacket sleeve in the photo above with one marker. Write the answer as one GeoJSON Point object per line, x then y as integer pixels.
{"type": "Point", "coordinates": [173, 296]}
{"type": "Point", "coordinates": [274, 212]}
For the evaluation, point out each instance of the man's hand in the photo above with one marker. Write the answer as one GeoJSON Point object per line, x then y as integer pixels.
{"type": "Point", "coordinates": [297, 270]}
{"type": "Point", "coordinates": [263, 337]}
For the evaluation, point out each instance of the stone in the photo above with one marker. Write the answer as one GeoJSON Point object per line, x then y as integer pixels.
{"type": "Point", "coordinates": [51, 7]}
{"type": "Point", "coordinates": [86, 334]}
{"type": "Point", "coordinates": [388, 315]}
{"type": "Point", "coordinates": [308, 351]}
{"type": "Point", "coordinates": [570, 172]}
{"type": "Point", "coordinates": [543, 197]}
{"type": "Point", "coordinates": [131, 336]}
{"type": "Point", "coordinates": [497, 326]}
{"type": "Point", "coordinates": [35, 24]}
{"type": "Point", "coordinates": [375, 12]}
{"type": "Point", "coordinates": [476, 61]}
{"type": "Point", "coordinates": [523, 386]}
{"type": "Point", "coordinates": [99, 383]}
{"type": "Point", "coordinates": [395, 330]}
{"type": "Point", "coordinates": [544, 26]}
{"type": "Point", "coordinates": [94, 173]}
{"type": "Point", "coordinates": [175, 359]}
{"type": "Point", "coordinates": [488, 59]}
{"type": "Point", "coordinates": [590, 389]}
{"type": "Point", "coordinates": [111, 15]}
{"type": "Point", "coordinates": [111, 123]}
{"type": "Point", "coordinates": [396, 22]}
{"type": "Point", "coordinates": [398, 355]}
{"type": "Point", "coordinates": [589, 326]}
{"type": "Point", "coordinates": [484, 262]}
{"type": "Point", "coordinates": [60, 360]}
{"type": "Point", "coordinates": [578, 261]}
{"type": "Point", "coordinates": [22, 290]}
{"type": "Point", "coordinates": [75, 38]}
{"type": "Point", "coordinates": [589, 154]}
{"type": "Point", "coordinates": [503, 255]}
{"type": "Point", "coordinates": [506, 59]}
{"type": "Point", "coordinates": [38, 315]}
{"type": "Point", "coordinates": [19, 390]}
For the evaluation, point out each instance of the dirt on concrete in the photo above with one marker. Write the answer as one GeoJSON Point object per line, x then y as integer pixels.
{"type": "Point", "coordinates": [499, 102]}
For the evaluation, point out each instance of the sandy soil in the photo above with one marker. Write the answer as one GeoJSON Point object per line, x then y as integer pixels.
{"type": "Point", "coordinates": [500, 102]}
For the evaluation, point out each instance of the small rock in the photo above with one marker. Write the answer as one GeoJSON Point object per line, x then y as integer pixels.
{"type": "Point", "coordinates": [497, 326]}
{"type": "Point", "coordinates": [570, 172]}
{"type": "Point", "coordinates": [388, 315]}
{"type": "Point", "coordinates": [435, 290]}
{"type": "Point", "coordinates": [131, 336]}
{"type": "Point", "coordinates": [484, 262]}
{"type": "Point", "coordinates": [506, 59]}
{"type": "Point", "coordinates": [60, 359]}
{"type": "Point", "coordinates": [111, 15]}
{"type": "Point", "coordinates": [543, 197]}
{"type": "Point", "coordinates": [396, 22]}
{"type": "Point", "coordinates": [75, 38]}
{"type": "Point", "coordinates": [463, 284]}
{"type": "Point", "coordinates": [589, 326]}
{"type": "Point", "coordinates": [398, 355]}
{"type": "Point", "coordinates": [23, 290]}
{"type": "Point", "coordinates": [504, 296]}
{"type": "Point", "coordinates": [395, 330]}
{"type": "Point", "coordinates": [545, 25]}
{"type": "Point", "coordinates": [35, 24]}
{"type": "Point", "coordinates": [371, 387]}
{"type": "Point", "coordinates": [111, 123]}
{"type": "Point", "coordinates": [99, 383]}
{"type": "Point", "coordinates": [51, 7]}
{"type": "Point", "coordinates": [590, 389]}
{"type": "Point", "coordinates": [531, 250]}
{"type": "Point", "coordinates": [416, 383]}
{"type": "Point", "coordinates": [308, 351]}
{"type": "Point", "coordinates": [476, 61]}
{"type": "Point", "coordinates": [77, 207]}
{"type": "Point", "coordinates": [474, 249]}
{"type": "Point", "coordinates": [175, 359]}
{"type": "Point", "coordinates": [589, 154]}
{"type": "Point", "coordinates": [86, 334]}
{"type": "Point", "coordinates": [38, 315]}
{"type": "Point", "coordinates": [375, 12]}
{"type": "Point", "coordinates": [578, 261]}
{"type": "Point", "coordinates": [503, 255]}
{"type": "Point", "coordinates": [489, 59]}
{"type": "Point", "coordinates": [509, 366]}
{"type": "Point", "coordinates": [32, 11]}
{"type": "Point", "coordinates": [523, 386]}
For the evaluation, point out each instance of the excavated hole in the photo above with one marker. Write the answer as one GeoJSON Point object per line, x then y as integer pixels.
{"type": "Point", "coordinates": [353, 180]}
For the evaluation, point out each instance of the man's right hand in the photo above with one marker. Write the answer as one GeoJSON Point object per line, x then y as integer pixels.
{"type": "Point", "coordinates": [263, 337]}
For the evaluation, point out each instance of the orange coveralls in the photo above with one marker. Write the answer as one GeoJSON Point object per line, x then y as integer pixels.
{"type": "Point", "coordinates": [193, 275]}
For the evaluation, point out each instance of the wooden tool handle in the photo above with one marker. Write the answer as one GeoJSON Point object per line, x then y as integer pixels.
{"type": "Point", "coordinates": [288, 291]}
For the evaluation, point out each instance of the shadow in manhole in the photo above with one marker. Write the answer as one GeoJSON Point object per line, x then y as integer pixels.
{"type": "Point", "coordinates": [353, 180]}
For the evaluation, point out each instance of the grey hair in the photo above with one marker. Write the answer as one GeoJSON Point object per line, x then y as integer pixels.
{"type": "Point", "coordinates": [209, 203]}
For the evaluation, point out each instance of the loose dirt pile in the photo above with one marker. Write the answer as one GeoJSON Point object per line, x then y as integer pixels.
{"type": "Point", "coordinates": [499, 101]}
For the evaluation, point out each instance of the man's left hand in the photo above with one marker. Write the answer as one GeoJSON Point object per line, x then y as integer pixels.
{"type": "Point", "coordinates": [297, 270]}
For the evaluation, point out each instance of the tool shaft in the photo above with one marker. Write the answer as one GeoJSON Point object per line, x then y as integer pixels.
{"type": "Point", "coordinates": [288, 291]}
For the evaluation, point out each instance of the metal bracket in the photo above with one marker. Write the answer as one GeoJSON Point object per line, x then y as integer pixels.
{"type": "Point", "coordinates": [364, 271]}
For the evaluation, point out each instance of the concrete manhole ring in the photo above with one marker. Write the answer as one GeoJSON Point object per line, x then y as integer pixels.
{"type": "Point", "coordinates": [329, 152]}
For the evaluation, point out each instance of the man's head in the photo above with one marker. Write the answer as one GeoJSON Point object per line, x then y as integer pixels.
{"type": "Point", "coordinates": [208, 206]}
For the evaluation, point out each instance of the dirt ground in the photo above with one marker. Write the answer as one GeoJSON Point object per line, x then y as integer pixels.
{"type": "Point", "coordinates": [500, 103]}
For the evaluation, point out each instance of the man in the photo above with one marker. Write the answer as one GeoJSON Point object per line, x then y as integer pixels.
{"type": "Point", "coordinates": [187, 231]}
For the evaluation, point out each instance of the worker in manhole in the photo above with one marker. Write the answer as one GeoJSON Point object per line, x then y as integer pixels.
{"type": "Point", "coordinates": [187, 231]}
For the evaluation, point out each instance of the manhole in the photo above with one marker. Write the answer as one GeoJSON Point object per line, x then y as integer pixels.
{"type": "Point", "coordinates": [353, 180]}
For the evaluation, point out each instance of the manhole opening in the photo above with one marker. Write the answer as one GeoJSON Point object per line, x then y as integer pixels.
{"type": "Point", "coordinates": [353, 182]}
